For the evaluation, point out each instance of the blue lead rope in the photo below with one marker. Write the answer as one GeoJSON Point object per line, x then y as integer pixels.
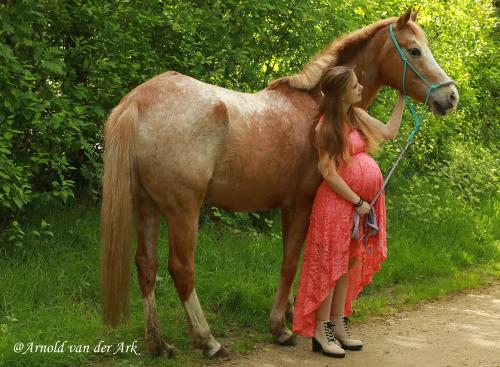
{"type": "Point", "coordinates": [370, 226]}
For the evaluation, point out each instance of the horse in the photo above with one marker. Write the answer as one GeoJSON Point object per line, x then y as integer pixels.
{"type": "Point", "coordinates": [174, 142]}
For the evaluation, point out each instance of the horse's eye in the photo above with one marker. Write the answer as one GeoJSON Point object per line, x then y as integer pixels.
{"type": "Point", "coordinates": [415, 52]}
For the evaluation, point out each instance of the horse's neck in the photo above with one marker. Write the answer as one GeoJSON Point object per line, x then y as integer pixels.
{"type": "Point", "coordinates": [365, 65]}
{"type": "Point", "coordinates": [368, 78]}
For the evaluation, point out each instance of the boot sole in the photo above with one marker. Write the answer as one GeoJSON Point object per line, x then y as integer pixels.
{"type": "Point", "coordinates": [316, 347]}
{"type": "Point", "coordinates": [345, 347]}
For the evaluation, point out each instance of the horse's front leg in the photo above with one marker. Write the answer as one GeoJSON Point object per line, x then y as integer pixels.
{"type": "Point", "coordinates": [294, 222]}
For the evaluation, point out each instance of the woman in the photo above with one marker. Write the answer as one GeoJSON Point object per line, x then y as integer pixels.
{"type": "Point", "coordinates": [335, 267]}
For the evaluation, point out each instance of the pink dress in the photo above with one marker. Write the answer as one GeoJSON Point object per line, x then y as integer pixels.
{"type": "Point", "coordinates": [329, 245]}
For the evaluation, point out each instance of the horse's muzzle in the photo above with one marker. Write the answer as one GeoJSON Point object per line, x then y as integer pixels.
{"type": "Point", "coordinates": [444, 99]}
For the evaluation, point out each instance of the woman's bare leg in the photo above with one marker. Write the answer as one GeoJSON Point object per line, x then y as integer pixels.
{"type": "Point", "coordinates": [323, 312]}
{"type": "Point", "coordinates": [340, 292]}
{"type": "Point", "coordinates": [338, 297]}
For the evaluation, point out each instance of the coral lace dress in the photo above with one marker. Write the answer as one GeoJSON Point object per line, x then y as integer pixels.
{"type": "Point", "coordinates": [329, 245]}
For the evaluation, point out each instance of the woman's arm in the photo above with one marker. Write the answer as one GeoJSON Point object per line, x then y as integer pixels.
{"type": "Point", "coordinates": [326, 166]}
{"type": "Point", "coordinates": [390, 130]}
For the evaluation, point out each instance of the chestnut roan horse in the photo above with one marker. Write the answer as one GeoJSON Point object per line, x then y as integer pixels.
{"type": "Point", "coordinates": [174, 142]}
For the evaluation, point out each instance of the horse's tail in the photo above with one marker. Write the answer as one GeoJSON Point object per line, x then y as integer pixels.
{"type": "Point", "coordinates": [117, 210]}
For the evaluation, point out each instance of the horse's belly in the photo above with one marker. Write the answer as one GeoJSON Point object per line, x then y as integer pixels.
{"type": "Point", "coordinates": [263, 186]}
{"type": "Point", "coordinates": [245, 196]}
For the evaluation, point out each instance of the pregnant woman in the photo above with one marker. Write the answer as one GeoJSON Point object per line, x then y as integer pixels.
{"type": "Point", "coordinates": [336, 267]}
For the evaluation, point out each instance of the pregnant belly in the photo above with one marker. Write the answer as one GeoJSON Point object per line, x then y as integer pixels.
{"type": "Point", "coordinates": [363, 175]}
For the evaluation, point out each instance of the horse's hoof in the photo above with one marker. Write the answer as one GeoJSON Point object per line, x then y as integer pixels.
{"type": "Point", "coordinates": [286, 339]}
{"type": "Point", "coordinates": [220, 354]}
{"type": "Point", "coordinates": [290, 342]}
{"type": "Point", "coordinates": [163, 350]}
{"type": "Point", "coordinates": [168, 353]}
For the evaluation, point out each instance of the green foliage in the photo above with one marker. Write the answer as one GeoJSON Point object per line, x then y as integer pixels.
{"type": "Point", "coordinates": [64, 65]}
{"type": "Point", "coordinates": [251, 221]}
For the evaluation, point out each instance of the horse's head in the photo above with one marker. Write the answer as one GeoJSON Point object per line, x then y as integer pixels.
{"type": "Point", "coordinates": [413, 43]}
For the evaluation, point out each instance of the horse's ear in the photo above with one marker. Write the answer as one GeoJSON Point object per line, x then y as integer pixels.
{"type": "Point", "coordinates": [414, 15]}
{"type": "Point", "coordinates": [403, 19]}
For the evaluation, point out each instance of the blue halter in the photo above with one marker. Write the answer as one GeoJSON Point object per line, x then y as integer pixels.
{"type": "Point", "coordinates": [370, 227]}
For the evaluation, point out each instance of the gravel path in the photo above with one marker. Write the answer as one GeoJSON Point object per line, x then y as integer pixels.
{"type": "Point", "coordinates": [461, 330]}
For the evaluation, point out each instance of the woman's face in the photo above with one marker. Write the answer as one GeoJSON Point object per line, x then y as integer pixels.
{"type": "Point", "coordinates": [353, 91]}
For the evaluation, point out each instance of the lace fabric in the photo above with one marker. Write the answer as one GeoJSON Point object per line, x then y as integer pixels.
{"type": "Point", "coordinates": [329, 246]}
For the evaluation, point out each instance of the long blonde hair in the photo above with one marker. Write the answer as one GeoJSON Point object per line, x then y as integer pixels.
{"type": "Point", "coordinates": [332, 136]}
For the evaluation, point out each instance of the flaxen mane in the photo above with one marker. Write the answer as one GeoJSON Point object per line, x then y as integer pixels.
{"type": "Point", "coordinates": [334, 54]}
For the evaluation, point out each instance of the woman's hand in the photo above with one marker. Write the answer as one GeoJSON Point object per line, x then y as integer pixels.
{"type": "Point", "coordinates": [363, 209]}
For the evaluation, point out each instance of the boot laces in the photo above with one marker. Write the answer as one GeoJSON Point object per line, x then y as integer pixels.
{"type": "Point", "coordinates": [345, 320]}
{"type": "Point", "coordinates": [329, 332]}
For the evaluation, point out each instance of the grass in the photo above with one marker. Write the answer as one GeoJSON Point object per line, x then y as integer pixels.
{"type": "Point", "coordinates": [49, 287]}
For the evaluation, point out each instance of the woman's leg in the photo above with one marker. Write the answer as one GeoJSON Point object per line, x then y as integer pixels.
{"type": "Point", "coordinates": [340, 292]}
{"type": "Point", "coordinates": [323, 312]}
{"type": "Point", "coordinates": [338, 297]}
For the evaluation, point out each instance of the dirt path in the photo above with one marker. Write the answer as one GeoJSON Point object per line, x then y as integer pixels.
{"type": "Point", "coordinates": [461, 330]}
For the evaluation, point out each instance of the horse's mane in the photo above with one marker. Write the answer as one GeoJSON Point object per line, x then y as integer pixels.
{"type": "Point", "coordinates": [335, 52]}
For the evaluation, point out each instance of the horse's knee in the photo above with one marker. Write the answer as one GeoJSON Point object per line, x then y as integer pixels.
{"type": "Point", "coordinates": [289, 267]}
{"type": "Point", "coordinates": [291, 255]}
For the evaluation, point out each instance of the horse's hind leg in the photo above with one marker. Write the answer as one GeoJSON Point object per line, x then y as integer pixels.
{"type": "Point", "coordinates": [182, 221]}
{"type": "Point", "coordinates": [148, 222]}
{"type": "Point", "coordinates": [294, 221]}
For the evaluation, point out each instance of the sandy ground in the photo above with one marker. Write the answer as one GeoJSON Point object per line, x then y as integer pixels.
{"type": "Point", "coordinates": [461, 330]}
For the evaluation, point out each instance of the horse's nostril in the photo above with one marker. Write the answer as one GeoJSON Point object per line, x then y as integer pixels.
{"type": "Point", "coordinates": [439, 108]}
{"type": "Point", "coordinates": [453, 96]}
